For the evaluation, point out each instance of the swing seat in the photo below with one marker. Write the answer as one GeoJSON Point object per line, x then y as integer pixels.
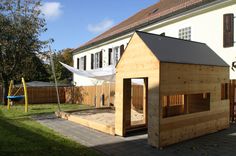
{"type": "Point", "coordinates": [15, 98]}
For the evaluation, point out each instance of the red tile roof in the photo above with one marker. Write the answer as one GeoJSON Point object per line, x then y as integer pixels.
{"type": "Point", "coordinates": [145, 16]}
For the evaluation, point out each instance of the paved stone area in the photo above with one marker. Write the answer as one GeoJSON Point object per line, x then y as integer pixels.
{"type": "Point", "coordinates": [222, 143]}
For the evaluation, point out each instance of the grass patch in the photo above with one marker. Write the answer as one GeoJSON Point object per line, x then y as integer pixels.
{"type": "Point", "coordinates": [22, 136]}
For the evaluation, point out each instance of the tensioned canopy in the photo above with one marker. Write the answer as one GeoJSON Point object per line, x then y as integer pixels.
{"type": "Point", "coordinates": [105, 73]}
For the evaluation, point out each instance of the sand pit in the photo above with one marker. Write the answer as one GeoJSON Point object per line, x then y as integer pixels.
{"type": "Point", "coordinates": [106, 116]}
{"type": "Point", "coordinates": [102, 116]}
{"type": "Point", "coordinates": [101, 119]}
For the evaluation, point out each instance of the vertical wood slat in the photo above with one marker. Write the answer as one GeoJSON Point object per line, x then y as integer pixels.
{"type": "Point", "coordinates": [127, 103]}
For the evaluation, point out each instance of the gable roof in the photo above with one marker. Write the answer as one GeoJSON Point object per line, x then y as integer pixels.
{"type": "Point", "coordinates": [152, 14]}
{"type": "Point", "coordinates": [174, 50]}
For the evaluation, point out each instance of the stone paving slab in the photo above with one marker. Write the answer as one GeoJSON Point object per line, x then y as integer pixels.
{"type": "Point", "coordinates": [217, 144]}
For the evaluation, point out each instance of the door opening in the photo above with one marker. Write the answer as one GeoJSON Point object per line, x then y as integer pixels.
{"type": "Point", "coordinates": [135, 104]}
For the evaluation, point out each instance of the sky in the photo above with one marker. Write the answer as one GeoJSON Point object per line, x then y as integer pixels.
{"type": "Point", "coordinates": [73, 22]}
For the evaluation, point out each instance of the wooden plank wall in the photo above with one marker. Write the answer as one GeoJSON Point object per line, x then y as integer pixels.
{"type": "Point", "coordinates": [138, 62]}
{"type": "Point", "coordinates": [193, 79]}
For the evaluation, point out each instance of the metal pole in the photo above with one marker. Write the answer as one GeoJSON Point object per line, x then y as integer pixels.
{"type": "Point", "coordinates": [109, 97]}
{"type": "Point", "coordinates": [54, 75]}
{"type": "Point", "coordinates": [25, 94]}
{"type": "Point", "coordinates": [96, 95]}
{"type": "Point", "coordinates": [102, 96]}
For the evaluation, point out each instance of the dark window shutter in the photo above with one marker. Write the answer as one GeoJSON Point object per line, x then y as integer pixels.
{"type": "Point", "coordinates": [109, 57]}
{"type": "Point", "coordinates": [92, 61]}
{"type": "Point", "coordinates": [77, 63]}
{"type": "Point", "coordinates": [100, 59]}
{"type": "Point", "coordinates": [84, 62]}
{"type": "Point", "coordinates": [122, 49]}
{"type": "Point", "coordinates": [228, 35]}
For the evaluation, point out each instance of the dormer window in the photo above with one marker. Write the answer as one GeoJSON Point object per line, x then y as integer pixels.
{"type": "Point", "coordinates": [154, 11]}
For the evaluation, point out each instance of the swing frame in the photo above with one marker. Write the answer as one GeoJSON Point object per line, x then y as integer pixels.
{"type": "Point", "coordinates": [25, 94]}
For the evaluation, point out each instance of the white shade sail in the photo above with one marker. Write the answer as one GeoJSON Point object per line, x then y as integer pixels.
{"type": "Point", "coordinates": [105, 73]}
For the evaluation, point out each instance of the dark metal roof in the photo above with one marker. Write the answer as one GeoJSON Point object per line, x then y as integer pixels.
{"type": "Point", "coordinates": [169, 49]}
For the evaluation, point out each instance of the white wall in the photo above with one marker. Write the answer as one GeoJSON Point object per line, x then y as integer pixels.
{"type": "Point", "coordinates": [206, 28]}
{"type": "Point", "coordinates": [84, 81]}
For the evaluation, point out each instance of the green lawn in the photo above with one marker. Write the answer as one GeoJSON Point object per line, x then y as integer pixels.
{"type": "Point", "coordinates": [22, 136]}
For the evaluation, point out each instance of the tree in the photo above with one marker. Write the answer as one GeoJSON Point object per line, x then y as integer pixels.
{"type": "Point", "coordinates": [62, 74]}
{"type": "Point", "coordinates": [21, 24]}
{"type": "Point", "coordinates": [35, 70]}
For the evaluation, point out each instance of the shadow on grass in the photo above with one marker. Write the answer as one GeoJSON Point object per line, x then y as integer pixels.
{"type": "Point", "coordinates": [30, 138]}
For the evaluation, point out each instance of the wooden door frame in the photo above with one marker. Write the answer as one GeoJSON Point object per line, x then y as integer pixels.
{"type": "Point", "coordinates": [127, 85]}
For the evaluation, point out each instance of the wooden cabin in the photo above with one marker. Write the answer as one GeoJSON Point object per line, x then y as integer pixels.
{"type": "Point", "coordinates": [185, 88]}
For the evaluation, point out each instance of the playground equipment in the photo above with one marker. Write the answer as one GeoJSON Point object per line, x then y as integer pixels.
{"type": "Point", "coordinates": [14, 97]}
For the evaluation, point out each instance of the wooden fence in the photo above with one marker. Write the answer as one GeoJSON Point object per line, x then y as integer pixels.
{"type": "Point", "coordinates": [80, 95]}
{"type": "Point", "coordinates": [90, 95]}
{"type": "Point", "coordinates": [40, 95]}
{"type": "Point", "coordinates": [99, 95]}
{"type": "Point", "coordinates": [45, 95]}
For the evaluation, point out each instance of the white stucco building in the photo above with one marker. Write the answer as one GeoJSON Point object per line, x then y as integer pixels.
{"type": "Point", "coordinates": [207, 21]}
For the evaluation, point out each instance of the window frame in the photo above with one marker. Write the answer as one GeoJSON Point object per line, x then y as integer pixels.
{"type": "Point", "coordinates": [116, 54]}
{"type": "Point", "coordinates": [185, 33]}
{"type": "Point", "coordinates": [82, 63]}
{"type": "Point", "coordinates": [187, 103]}
{"type": "Point", "coordinates": [96, 60]}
